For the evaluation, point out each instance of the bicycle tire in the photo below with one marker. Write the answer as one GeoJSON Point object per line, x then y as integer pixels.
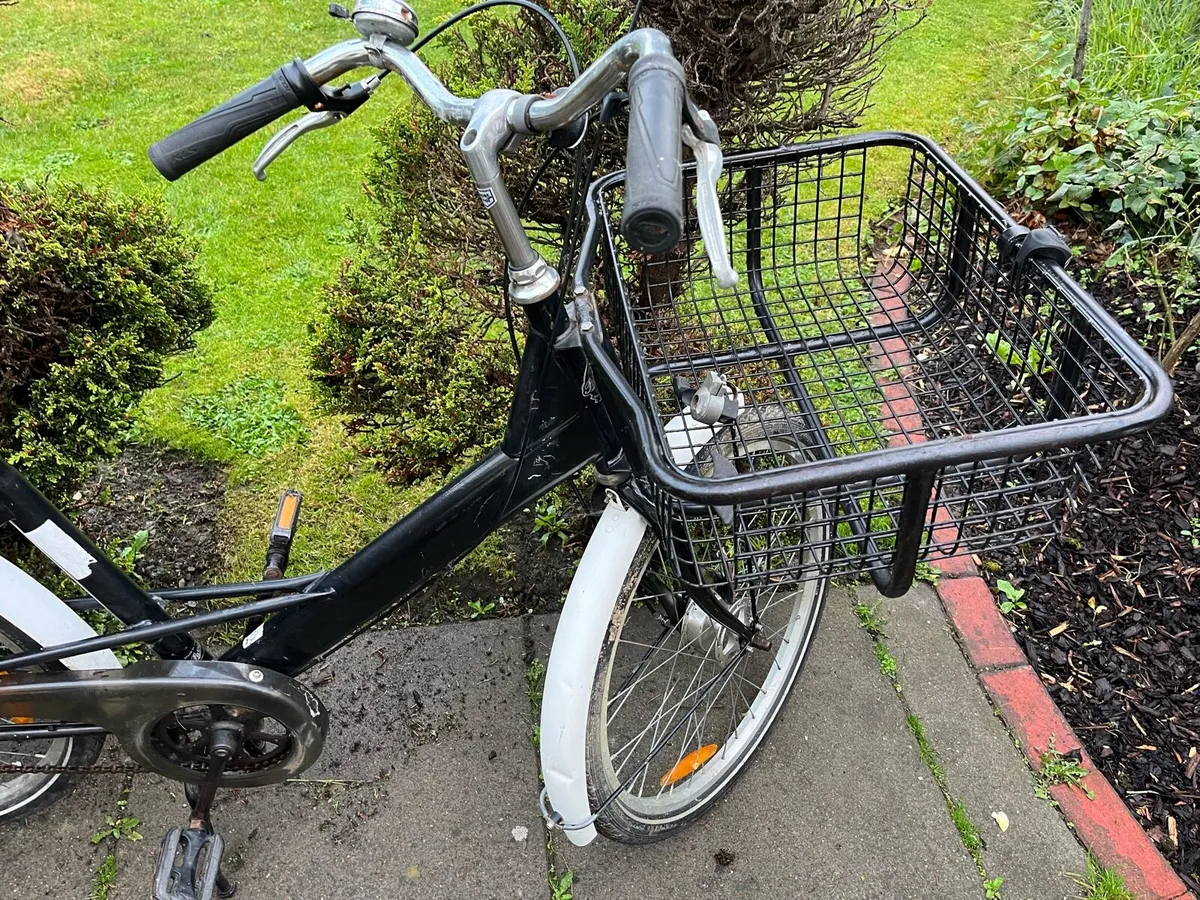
{"type": "Point", "coordinates": [633, 817]}
{"type": "Point", "coordinates": [24, 795]}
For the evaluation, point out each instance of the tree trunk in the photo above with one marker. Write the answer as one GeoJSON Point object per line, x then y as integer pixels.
{"type": "Point", "coordinates": [1081, 40]}
{"type": "Point", "coordinates": [1181, 345]}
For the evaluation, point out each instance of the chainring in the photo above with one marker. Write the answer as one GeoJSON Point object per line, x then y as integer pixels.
{"type": "Point", "coordinates": [182, 739]}
{"type": "Point", "coordinates": [163, 713]}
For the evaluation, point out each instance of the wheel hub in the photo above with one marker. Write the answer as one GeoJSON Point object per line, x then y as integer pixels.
{"type": "Point", "coordinates": [710, 637]}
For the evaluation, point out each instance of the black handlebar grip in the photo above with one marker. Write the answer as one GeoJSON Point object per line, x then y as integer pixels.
{"type": "Point", "coordinates": [652, 220]}
{"type": "Point", "coordinates": [288, 87]}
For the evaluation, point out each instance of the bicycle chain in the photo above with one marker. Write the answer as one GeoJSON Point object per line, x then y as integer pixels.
{"type": "Point", "coordinates": [129, 768]}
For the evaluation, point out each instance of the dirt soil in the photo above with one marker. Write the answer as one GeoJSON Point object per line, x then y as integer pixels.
{"type": "Point", "coordinates": [1112, 620]}
{"type": "Point", "coordinates": [536, 582]}
{"type": "Point", "coordinates": [170, 495]}
{"type": "Point", "coordinates": [177, 500]}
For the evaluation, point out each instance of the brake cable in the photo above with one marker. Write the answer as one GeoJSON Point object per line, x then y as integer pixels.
{"type": "Point", "coordinates": [488, 4]}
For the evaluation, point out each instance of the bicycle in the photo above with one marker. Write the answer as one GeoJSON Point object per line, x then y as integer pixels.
{"type": "Point", "coordinates": [841, 409]}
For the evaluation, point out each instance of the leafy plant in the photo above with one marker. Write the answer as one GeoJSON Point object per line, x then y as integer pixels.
{"type": "Point", "coordinates": [1192, 532]}
{"type": "Point", "coordinates": [480, 608]}
{"type": "Point", "coordinates": [1117, 155]}
{"type": "Point", "coordinates": [991, 888]}
{"type": "Point", "coordinates": [1059, 768]}
{"type": "Point", "coordinates": [870, 619]}
{"type": "Point", "coordinates": [1133, 163]}
{"type": "Point", "coordinates": [560, 886]}
{"type": "Point", "coordinates": [127, 555]}
{"type": "Point", "coordinates": [1034, 360]}
{"type": "Point", "coordinates": [927, 573]}
{"type": "Point", "coordinates": [103, 622]}
{"type": "Point", "coordinates": [887, 662]}
{"type": "Point", "coordinates": [117, 828]}
{"type": "Point", "coordinates": [549, 522]}
{"type": "Point", "coordinates": [1012, 596]}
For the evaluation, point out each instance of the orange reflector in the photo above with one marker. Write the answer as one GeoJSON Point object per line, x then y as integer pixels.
{"type": "Point", "coordinates": [289, 505]}
{"type": "Point", "coordinates": [17, 720]}
{"type": "Point", "coordinates": [689, 765]}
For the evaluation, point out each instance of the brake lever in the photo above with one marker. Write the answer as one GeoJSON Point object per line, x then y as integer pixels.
{"type": "Point", "coordinates": [709, 161]}
{"type": "Point", "coordinates": [284, 138]}
{"type": "Point", "coordinates": [288, 135]}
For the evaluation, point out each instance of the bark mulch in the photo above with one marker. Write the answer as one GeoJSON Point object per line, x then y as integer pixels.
{"type": "Point", "coordinates": [1111, 620]}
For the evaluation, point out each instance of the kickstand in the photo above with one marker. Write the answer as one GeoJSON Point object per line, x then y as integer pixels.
{"type": "Point", "coordinates": [189, 861]}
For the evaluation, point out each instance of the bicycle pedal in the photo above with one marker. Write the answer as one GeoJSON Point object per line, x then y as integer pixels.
{"type": "Point", "coordinates": [189, 866]}
{"type": "Point", "coordinates": [283, 531]}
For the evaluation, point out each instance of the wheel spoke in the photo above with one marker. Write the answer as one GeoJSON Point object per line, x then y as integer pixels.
{"type": "Point", "coordinates": [672, 693]}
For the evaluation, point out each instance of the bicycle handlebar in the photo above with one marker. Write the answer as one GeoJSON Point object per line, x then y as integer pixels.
{"type": "Point", "coordinates": [652, 218]}
{"type": "Point", "coordinates": [288, 87]}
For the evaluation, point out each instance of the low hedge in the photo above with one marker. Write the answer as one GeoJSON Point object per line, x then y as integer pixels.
{"type": "Point", "coordinates": [96, 290]}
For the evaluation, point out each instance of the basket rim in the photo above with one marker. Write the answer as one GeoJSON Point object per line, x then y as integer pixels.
{"type": "Point", "coordinates": [648, 440]}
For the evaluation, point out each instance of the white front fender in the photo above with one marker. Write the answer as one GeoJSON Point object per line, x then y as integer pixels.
{"type": "Point", "coordinates": [573, 660]}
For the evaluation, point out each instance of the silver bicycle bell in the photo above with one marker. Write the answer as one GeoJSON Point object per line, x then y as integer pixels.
{"type": "Point", "coordinates": [393, 19]}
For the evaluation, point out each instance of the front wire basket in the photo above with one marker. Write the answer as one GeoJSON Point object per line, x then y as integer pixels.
{"type": "Point", "coordinates": [904, 395]}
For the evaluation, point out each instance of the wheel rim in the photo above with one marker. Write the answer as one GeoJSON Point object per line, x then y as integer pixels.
{"type": "Point", "coordinates": [692, 685]}
{"type": "Point", "coordinates": [18, 791]}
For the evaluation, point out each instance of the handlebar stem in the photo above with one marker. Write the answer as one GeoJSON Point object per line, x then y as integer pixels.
{"type": "Point", "coordinates": [488, 133]}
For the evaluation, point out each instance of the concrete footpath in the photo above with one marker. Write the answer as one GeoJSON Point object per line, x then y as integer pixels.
{"type": "Point", "coordinates": [428, 788]}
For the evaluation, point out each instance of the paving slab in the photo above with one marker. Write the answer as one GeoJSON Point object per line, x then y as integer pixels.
{"type": "Point", "coordinates": [836, 805]}
{"type": "Point", "coordinates": [984, 768]}
{"type": "Point", "coordinates": [428, 770]}
{"type": "Point", "coordinates": [52, 854]}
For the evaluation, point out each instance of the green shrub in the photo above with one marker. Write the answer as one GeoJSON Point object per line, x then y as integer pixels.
{"type": "Point", "coordinates": [1133, 166]}
{"type": "Point", "coordinates": [1128, 169]}
{"type": "Point", "coordinates": [1117, 153]}
{"type": "Point", "coordinates": [96, 290]}
{"type": "Point", "coordinates": [412, 366]}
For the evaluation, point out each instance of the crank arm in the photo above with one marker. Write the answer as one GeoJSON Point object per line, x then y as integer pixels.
{"type": "Point", "coordinates": [130, 701]}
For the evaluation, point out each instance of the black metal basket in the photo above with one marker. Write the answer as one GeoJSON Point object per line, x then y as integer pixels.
{"type": "Point", "coordinates": [905, 393]}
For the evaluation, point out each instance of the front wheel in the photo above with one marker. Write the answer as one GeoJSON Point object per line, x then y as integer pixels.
{"type": "Point", "coordinates": [678, 705]}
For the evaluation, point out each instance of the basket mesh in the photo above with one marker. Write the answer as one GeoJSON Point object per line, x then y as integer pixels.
{"type": "Point", "coordinates": [872, 311]}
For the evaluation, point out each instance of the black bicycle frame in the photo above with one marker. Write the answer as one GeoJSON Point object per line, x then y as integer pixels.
{"type": "Point", "coordinates": [553, 431]}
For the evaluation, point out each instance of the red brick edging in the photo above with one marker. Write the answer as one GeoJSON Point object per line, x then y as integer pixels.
{"type": "Point", "coordinates": [1103, 823]}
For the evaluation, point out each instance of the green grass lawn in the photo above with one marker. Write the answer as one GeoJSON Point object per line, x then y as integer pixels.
{"type": "Point", "coordinates": [87, 85]}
